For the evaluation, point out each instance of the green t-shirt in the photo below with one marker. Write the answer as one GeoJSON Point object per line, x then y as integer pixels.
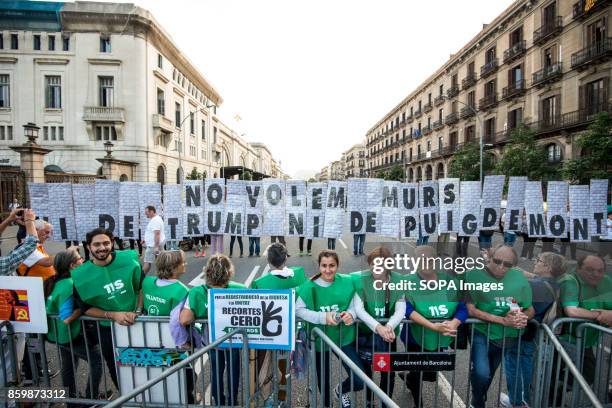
{"type": "Point", "coordinates": [576, 292]}
{"type": "Point", "coordinates": [433, 304]}
{"type": "Point", "coordinates": [335, 298]}
{"type": "Point", "coordinates": [198, 298]}
{"type": "Point", "coordinates": [161, 300]}
{"type": "Point", "coordinates": [374, 300]}
{"type": "Point", "coordinates": [62, 291]}
{"type": "Point", "coordinates": [270, 281]}
{"type": "Point", "coordinates": [113, 287]}
{"type": "Point", "coordinates": [497, 302]}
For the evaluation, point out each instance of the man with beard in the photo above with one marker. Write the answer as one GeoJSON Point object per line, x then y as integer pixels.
{"type": "Point", "coordinates": [108, 286]}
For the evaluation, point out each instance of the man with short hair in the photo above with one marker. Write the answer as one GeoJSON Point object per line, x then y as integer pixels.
{"type": "Point", "coordinates": [39, 263]}
{"type": "Point", "coordinates": [108, 286]}
{"type": "Point", "coordinates": [505, 312]}
{"type": "Point", "coordinates": [154, 237]}
{"type": "Point", "coordinates": [586, 293]}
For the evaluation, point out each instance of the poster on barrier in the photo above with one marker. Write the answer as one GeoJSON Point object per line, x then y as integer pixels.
{"type": "Point", "coordinates": [268, 316]}
{"type": "Point", "coordinates": [142, 352]}
{"type": "Point", "coordinates": [22, 302]}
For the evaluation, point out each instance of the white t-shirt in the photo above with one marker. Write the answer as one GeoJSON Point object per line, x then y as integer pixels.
{"type": "Point", "coordinates": [155, 224]}
{"type": "Point", "coordinates": [33, 258]}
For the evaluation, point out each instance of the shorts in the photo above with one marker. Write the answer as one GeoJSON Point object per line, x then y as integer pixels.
{"type": "Point", "coordinates": [149, 255]}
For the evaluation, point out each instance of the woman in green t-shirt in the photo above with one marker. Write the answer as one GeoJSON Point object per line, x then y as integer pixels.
{"type": "Point", "coordinates": [374, 301]}
{"type": "Point", "coordinates": [217, 273]}
{"type": "Point", "coordinates": [163, 295]}
{"type": "Point", "coordinates": [326, 301]}
{"type": "Point", "coordinates": [65, 329]}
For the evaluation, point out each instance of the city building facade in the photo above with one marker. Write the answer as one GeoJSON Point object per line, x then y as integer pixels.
{"type": "Point", "coordinates": [355, 161]}
{"type": "Point", "coordinates": [91, 73]}
{"type": "Point", "coordinates": [545, 64]}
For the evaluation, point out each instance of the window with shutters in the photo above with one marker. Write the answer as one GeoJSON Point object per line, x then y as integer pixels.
{"type": "Point", "coordinates": [470, 134]}
{"type": "Point", "coordinates": [515, 117]}
{"type": "Point", "coordinates": [554, 153]}
{"type": "Point", "coordinates": [516, 36]}
{"type": "Point", "coordinates": [596, 32]}
{"type": "Point", "coordinates": [161, 102]}
{"type": "Point", "coordinates": [490, 55]}
{"type": "Point", "coordinates": [489, 130]}
{"type": "Point", "coordinates": [594, 96]}
{"type": "Point", "coordinates": [550, 110]}
{"type": "Point", "coordinates": [452, 139]}
{"type": "Point", "coordinates": [53, 92]}
{"type": "Point", "coordinates": [106, 91]}
{"type": "Point", "coordinates": [549, 56]}
{"type": "Point", "coordinates": [471, 99]}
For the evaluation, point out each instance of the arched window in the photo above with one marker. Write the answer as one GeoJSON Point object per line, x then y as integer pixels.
{"type": "Point", "coordinates": [124, 177]}
{"type": "Point", "coordinates": [440, 172]}
{"type": "Point", "coordinates": [161, 175]}
{"type": "Point", "coordinates": [553, 151]}
{"type": "Point", "coordinates": [419, 174]}
{"type": "Point", "coordinates": [428, 172]}
{"type": "Point", "coordinates": [410, 175]}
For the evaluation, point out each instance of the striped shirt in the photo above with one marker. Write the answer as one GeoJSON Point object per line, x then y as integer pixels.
{"type": "Point", "coordinates": [9, 263]}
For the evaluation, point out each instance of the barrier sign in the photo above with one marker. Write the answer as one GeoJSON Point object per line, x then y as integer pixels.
{"type": "Point", "coordinates": [268, 316]}
{"type": "Point", "coordinates": [149, 357]}
{"type": "Point", "coordinates": [413, 361]}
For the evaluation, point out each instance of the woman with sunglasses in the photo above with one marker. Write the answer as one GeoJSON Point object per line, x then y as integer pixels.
{"type": "Point", "coordinates": [505, 310]}
{"type": "Point", "coordinates": [548, 268]}
{"type": "Point", "coordinates": [326, 301]}
{"type": "Point", "coordinates": [65, 330]}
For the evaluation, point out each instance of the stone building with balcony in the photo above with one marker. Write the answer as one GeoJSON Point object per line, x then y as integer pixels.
{"type": "Point", "coordinates": [355, 161]}
{"type": "Point", "coordinates": [89, 73]}
{"type": "Point", "coordinates": [545, 64]}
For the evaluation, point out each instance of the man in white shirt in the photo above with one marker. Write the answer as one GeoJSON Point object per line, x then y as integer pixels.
{"type": "Point", "coordinates": [154, 237]}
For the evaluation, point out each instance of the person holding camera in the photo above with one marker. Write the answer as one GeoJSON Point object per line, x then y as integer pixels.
{"type": "Point", "coordinates": [10, 262]}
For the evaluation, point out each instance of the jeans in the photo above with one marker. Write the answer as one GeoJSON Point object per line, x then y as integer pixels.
{"type": "Point", "coordinates": [308, 245]}
{"type": "Point", "coordinates": [331, 243]}
{"type": "Point", "coordinates": [216, 244]}
{"type": "Point", "coordinates": [368, 343]}
{"type": "Point", "coordinates": [325, 382]}
{"type": "Point", "coordinates": [509, 238]}
{"type": "Point", "coordinates": [485, 360]}
{"type": "Point", "coordinates": [254, 245]}
{"type": "Point", "coordinates": [279, 238]}
{"type": "Point", "coordinates": [67, 369]}
{"type": "Point", "coordinates": [518, 381]}
{"type": "Point", "coordinates": [232, 240]}
{"type": "Point", "coordinates": [528, 247]}
{"type": "Point", "coordinates": [358, 242]}
{"type": "Point", "coordinates": [229, 361]}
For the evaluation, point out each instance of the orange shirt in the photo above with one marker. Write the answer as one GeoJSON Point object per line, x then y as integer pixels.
{"type": "Point", "coordinates": [44, 272]}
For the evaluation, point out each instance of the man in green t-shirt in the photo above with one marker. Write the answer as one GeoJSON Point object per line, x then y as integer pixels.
{"type": "Point", "coordinates": [506, 307]}
{"type": "Point", "coordinates": [108, 286]}
{"type": "Point", "coordinates": [586, 293]}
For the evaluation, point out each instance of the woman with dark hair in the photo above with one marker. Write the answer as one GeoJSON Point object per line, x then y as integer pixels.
{"type": "Point", "coordinates": [372, 305]}
{"type": "Point", "coordinates": [326, 301]}
{"type": "Point", "coordinates": [65, 329]}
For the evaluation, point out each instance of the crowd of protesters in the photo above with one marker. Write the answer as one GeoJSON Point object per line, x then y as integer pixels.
{"type": "Point", "coordinates": [112, 286]}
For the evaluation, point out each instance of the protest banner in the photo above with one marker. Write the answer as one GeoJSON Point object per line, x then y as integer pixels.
{"type": "Point", "coordinates": [268, 316]}
{"type": "Point", "coordinates": [22, 302]}
{"type": "Point", "coordinates": [556, 214]}
{"type": "Point", "coordinates": [83, 196]}
{"type": "Point", "coordinates": [295, 208]}
{"type": "Point", "coordinates": [129, 210]}
{"type": "Point", "coordinates": [235, 208]}
{"type": "Point", "coordinates": [490, 207]}
{"type": "Point", "coordinates": [149, 194]}
{"type": "Point", "coordinates": [534, 209]}
{"type": "Point", "coordinates": [515, 204]}
{"type": "Point", "coordinates": [469, 208]}
{"type": "Point", "coordinates": [598, 193]}
{"type": "Point", "coordinates": [106, 204]}
{"type": "Point", "coordinates": [254, 208]}
{"type": "Point", "coordinates": [389, 211]}
{"type": "Point", "coordinates": [364, 205]}
{"type": "Point", "coordinates": [315, 211]}
{"type": "Point", "coordinates": [409, 211]}
{"type": "Point", "coordinates": [214, 206]}
{"type": "Point", "coordinates": [173, 212]}
{"type": "Point", "coordinates": [335, 203]}
{"type": "Point", "coordinates": [580, 212]}
{"type": "Point", "coordinates": [60, 212]}
{"type": "Point", "coordinates": [428, 203]}
{"type": "Point", "coordinates": [274, 207]}
{"type": "Point", "coordinates": [193, 208]}
{"type": "Point", "coordinates": [448, 193]}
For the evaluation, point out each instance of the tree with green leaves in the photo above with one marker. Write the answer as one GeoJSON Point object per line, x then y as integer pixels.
{"type": "Point", "coordinates": [522, 156]}
{"type": "Point", "coordinates": [312, 180]}
{"type": "Point", "coordinates": [596, 150]}
{"type": "Point", "coordinates": [194, 175]}
{"type": "Point", "coordinates": [246, 175]}
{"type": "Point", "coordinates": [465, 163]}
{"type": "Point", "coordinates": [395, 173]}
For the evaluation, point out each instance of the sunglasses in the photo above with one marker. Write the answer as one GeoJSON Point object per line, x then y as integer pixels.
{"type": "Point", "coordinates": [507, 264]}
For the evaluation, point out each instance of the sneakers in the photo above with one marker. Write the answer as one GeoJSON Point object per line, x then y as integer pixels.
{"type": "Point", "coordinates": [301, 253]}
{"type": "Point", "coordinates": [345, 399]}
{"type": "Point", "coordinates": [309, 253]}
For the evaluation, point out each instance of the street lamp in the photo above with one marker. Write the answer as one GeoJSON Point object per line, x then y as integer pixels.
{"type": "Point", "coordinates": [478, 120]}
{"type": "Point", "coordinates": [30, 130]}
{"type": "Point", "coordinates": [108, 146]}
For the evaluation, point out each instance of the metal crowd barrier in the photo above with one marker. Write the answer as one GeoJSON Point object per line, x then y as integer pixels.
{"type": "Point", "coordinates": [602, 384]}
{"type": "Point", "coordinates": [451, 388]}
{"type": "Point", "coordinates": [198, 355]}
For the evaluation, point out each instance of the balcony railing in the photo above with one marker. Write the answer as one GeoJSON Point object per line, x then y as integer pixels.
{"type": "Point", "coordinates": [547, 74]}
{"type": "Point", "coordinates": [418, 113]}
{"type": "Point", "coordinates": [439, 100]}
{"type": "Point", "coordinates": [426, 130]}
{"type": "Point", "coordinates": [548, 30]}
{"type": "Point", "coordinates": [103, 114]}
{"type": "Point", "coordinates": [570, 119]}
{"type": "Point", "coordinates": [513, 90]}
{"type": "Point", "coordinates": [487, 102]}
{"type": "Point", "coordinates": [584, 8]}
{"type": "Point", "coordinates": [489, 68]}
{"type": "Point", "coordinates": [469, 81]}
{"type": "Point", "coordinates": [427, 107]}
{"type": "Point", "coordinates": [468, 111]}
{"type": "Point", "coordinates": [515, 51]}
{"type": "Point", "coordinates": [453, 91]}
{"type": "Point", "coordinates": [438, 124]}
{"type": "Point", "coordinates": [452, 118]}
{"type": "Point", "coordinates": [592, 54]}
